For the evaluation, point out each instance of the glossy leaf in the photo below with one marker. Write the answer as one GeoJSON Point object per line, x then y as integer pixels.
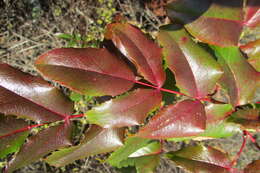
{"type": "Point", "coordinates": [31, 97]}
{"type": "Point", "coordinates": [126, 110]}
{"type": "Point", "coordinates": [10, 144]}
{"type": "Point", "coordinates": [253, 167]}
{"type": "Point", "coordinates": [252, 16]}
{"type": "Point", "coordinates": [217, 22]}
{"type": "Point", "coordinates": [39, 145]}
{"type": "Point", "coordinates": [97, 140]}
{"type": "Point", "coordinates": [252, 50]}
{"type": "Point", "coordinates": [240, 79]}
{"type": "Point", "coordinates": [140, 50]}
{"type": "Point", "coordinates": [196, 72]}
{"type": "Point", "coordinates": [150, 149]}
{"type": "Point", "coordinates": [132, 144]}
{"type": "Point", "coordinates": [186, 118]}
{"type": "Point", "coordinates": [217, 112]}
{"type": "Point", "coordinates": [90, 71]}
{"type": "Point", "coordinates": [201, 159]}
{"type": "Point", "coordinates": [248, 118]}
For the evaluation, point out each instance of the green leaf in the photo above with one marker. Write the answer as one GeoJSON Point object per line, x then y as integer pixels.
{"type": "Point", "coordinates": [126, 110]}
{"type": "Point", "coordinates": [75, 96]}
{"type": "Point", "coordinates": [196, 72]}
{"type": "Point", "coordinates": [240, 79]}
{"type": "Point", "coordinates": [10, 144]}
{"type": "Point", "coordinates": [97, 140]}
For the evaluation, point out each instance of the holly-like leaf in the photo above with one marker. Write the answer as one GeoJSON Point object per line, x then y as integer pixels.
{"type": "Point", "coordinates": [131, 146]}
{"type": "Point", "coordinates": [240, 79]}
{"type": "Point", "coordinates": [196, 72]}
{"type": "Point", "coordinates": [90, 71]}
{"type": "Point", "coordinates": [97, 140]}
{"type": "Point", "coordinates": [217, 22]}
{"type": "Point", "coordinates": [201, 159]}
{"type": "Point", "coordinates": [31, 97]}
{"type": "Point", "coordinates": [39, 145]}
{"type": "Point", "coordinates": [10, 144]}
{"type": "Point", "coordinates": [252, 50]}
{"type": "Point", "coordinates": [186, 118]}
{"type": "Point", "coordinates": [247, 118]}
{"type": "Point", "coordinates": [253, 167]}
{"type": "Point", "coordinates": [252, 16]}
{"type": "Point", "coordinates": [126, 110]}
{"type": "Point", "coordinates": [141, 51]}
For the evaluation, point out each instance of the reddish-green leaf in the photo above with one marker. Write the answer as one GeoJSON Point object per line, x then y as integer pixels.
{"type": "Point", "coordinates": [195, 70]}
{"type": "Point", "coordinates": [89, 71]}
{"type": "Point", "coordinates": [252, 50]}
{"type": "Point", "coordinates": [141, 51]}
{"type": "Point", "coordinates": [252, 16]}
{"type": "Point", "coordinates": [253, 167]}
{"type": "Point", "coordinates": [217, 112]}
{"type": "Point", "coordinates": [201, 159]}
{"type": "Point", "coordinates": [126, 110]}
{"type": "Point", "coordinates": [31, 97]}
{"type": "Point", "coordinates": [39, 145]}
{"type": "Point", "coordinates": [97, 140]}
{"type": "Point", "coordinates": [186, 118]}
{"type": "Point", "coordinates": [217, 22]}
{"type": "Point", "coordinates": [10, 144]}
{"type": "Point", "coordinates": [240, 79]}
{"type": "Point", "coordinates": [247, 118]}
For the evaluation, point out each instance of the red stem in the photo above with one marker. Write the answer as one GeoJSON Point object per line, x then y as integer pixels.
{"type": "Point", "coordinates": [241, 148]}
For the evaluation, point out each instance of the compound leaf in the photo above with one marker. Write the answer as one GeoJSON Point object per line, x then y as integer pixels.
{"type": "Point", "coordinates": [126, 110]}
{"type": "Point", "coordinates": [217, 22]}
{"type": "Point", "coordinates": [39, 145]}
{"type": "Point", "coordinates": [196, 72]}
{"type": "Point", "coordinates": [90, 71]}
{"type": "Point", "coordinates": [10, 144]}
{"type": "Point", "coordinates": [240, 79]}
{"type": "Point", "coordinates": [97, 140]}
{"type": "Point", "coordinates": [186, 118]}
{"type": "Point", "coordinates": [141, 51]}
{"type": "Point", "coordinates": [31, 97]}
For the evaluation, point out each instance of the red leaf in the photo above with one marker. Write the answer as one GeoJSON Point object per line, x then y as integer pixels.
{"type": "Point", "coordinates": [31, 97]}
{"type": "Point", "coordinates": [217, 22]}
{"type": "Point", "coordinates": [196, 72]}
{"type": "Point", "coordinates": [253, 167]}
{"type": "Point", "coordinates": [87, 71]}
{"type": "Point", "coordinates": [186, 118]}
{"type": "Point", "coordinates": [252, 16]}
{"type": "Point", "coordinates": [126, 110]}
{"type": "Point", "coordinates": [41, 144]}
{"type": "Point", "coordinates": [141, 51]}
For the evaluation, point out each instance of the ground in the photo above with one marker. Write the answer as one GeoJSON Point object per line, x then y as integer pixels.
{"type": "Point", "coordinates": [32, 27]}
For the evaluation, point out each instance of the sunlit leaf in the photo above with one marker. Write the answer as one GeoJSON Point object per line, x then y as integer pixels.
{"type": "Point", "coordinates": [196, 72]}
{"type": "Point", "coordinates": [186, 118]}
{"type": "Point", "coordinates": [31, 97]}
{"type": "Point", "coordinates": [97, 140]}
{"type": "Point", "coordinates": [140, 50]}
{"type": "Point", "coordinates": [88, 71]}
{"type": "Point", "coordinates": [126, 110]}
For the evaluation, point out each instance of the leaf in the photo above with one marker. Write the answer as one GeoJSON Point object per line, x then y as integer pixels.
{"type": "Point", "coordinates": [196, 71]}
{"type": "Point", "coordinates": [252, 50]}
{"type": "Point", "coordinates": [10, 144]}
{"type": "Point", "coordinates": [252, 16]}
{"type": "Point", "coordinates": [126, 110]}
{"type": "Point", "coordinates": [240, 79]}
{"type": "Point", "coordinates": [141, 51]}
{"type": "Point", "coordinates": [201, 159]}
{"type": "Point", "coordinates": [150, 149]}
{"type": "Point", "coordinates": [186, 118]}
{"type": "Point", "coordinates": [217, 112]}
{"type": "Point", "coordinates": [216, 22]}
{"type": "Point", "coordinates": [132, 144]}
{"type": "Point", "coordinates": [247, 118]}
{"type": "Point", "coordinates": [253, 167]}
{"type": "Point", "coordinates": [39, 145]}
{"type": "Point", "coordinates": [97, 140]}
{"type": "Point", "coordinates": [89, 71]}
{"type": "Point", "coordinates": [31, 97]}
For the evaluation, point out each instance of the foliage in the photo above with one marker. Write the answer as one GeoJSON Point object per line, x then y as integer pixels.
{"type": "Point", "coordinates": [219, 89]}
